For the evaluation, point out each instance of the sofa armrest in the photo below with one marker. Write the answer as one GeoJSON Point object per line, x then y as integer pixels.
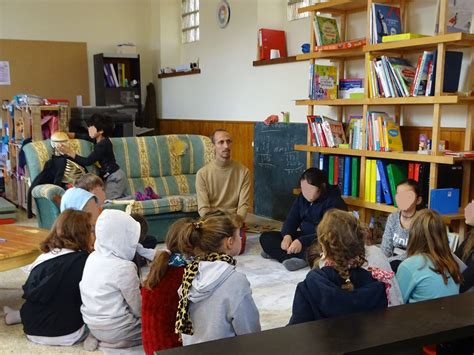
{"type": "Point", "coordinates": [48, 191]}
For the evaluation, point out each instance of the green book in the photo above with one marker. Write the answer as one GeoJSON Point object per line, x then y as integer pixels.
{"type": "Point", "coordinates": [355, 177]}
{"type": "Point", "coordinates": [331, 170]}
{"type": "Point", "coordinates": [396, 174]}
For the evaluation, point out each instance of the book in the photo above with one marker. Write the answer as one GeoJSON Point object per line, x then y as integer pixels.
{"type": "Point", "coordinates": [393, 136]}
{"type": "Point", "coordinates": [331, 170]}
{"type": "Point", "coordinates": [396, 173]}
{"type": "Point", "coordinates": [444, 201]}
{"type": "Point", "coordinates": [401, 37]}
{"type": "Point", "coordinates": [378, 185]}
{"type": "Point", "coordinates": [368, 173]}
{"type": "Point", "coordinates": [347, 177]}
{"type": "Point", "coordinates": [353, 43]}
{"type": "Point", "coordinates": [467, 154]}
{"type": "Point", "coordinates": [419, 85]}
{"type": "Point", "coordinates": [340, 173]}
{"type": "Point", "coordinates": [333, 131]}
{"type": "Point", "coordinates": [458, 16]}
{"type": "Point", "coordinates": [349, 86]}
{"type": "Point", "coordinates": [355, 176]}
{"type": "Point", "coordinates": [324, 82]}
{"type": "Point", "coordinates": [384, 181]}
{"type": "Point", "coordinates": [373, 180]}
{"type": "Point", "coordinates": [326, 30]}
{"type": "Point", "coordinates": [269, 39]}
{"type": "Point", "coordinates": [385, 21]}
{"type": "Point", "coordinates": [404, 71]}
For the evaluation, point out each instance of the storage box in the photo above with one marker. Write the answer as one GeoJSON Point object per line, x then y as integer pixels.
{"type": "Point", "coordinates": [445, 201]}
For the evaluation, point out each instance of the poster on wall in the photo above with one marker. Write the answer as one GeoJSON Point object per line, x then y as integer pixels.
{"type": "Point", "coordinates": [5, 73]}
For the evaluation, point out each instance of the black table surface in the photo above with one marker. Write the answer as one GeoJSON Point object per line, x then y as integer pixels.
{"type": "Point", "coordinates": [396, 330]}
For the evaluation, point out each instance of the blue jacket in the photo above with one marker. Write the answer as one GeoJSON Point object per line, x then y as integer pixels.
{"type": "Point", "coordinates": [320, 295]}
{"type": "Point", "coordinates": [306, 215]}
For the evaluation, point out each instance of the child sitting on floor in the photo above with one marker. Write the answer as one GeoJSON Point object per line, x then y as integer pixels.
{"type": "Point", "coordinates": [160, 294]}
{"type": "Point", "coordinates": [94, 185]}
{"type": "Point", "coordinates": [430, 270]}
{"type": "Point", "coordinates": [215, 300]}
{"type": "Point", "coordinates": [110, 287]}
{"type": "Point", "coordinates": [51, 313]}
{"type": "Point", "coordinates": [342, 286]}
{"type": "Point", "coordinates": [395, 236]}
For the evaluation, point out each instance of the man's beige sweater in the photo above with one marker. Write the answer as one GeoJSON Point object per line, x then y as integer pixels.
{"type": "Point", "coordinates": [226, 188]}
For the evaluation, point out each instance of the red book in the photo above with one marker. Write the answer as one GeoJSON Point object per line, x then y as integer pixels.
{"type": "Point", "coordinates": [336, 167]}
{"type": "Point", "coordinates": [418, 69]}
{"type": "Point", "coordinates": [271, 39]}
{"type": "Point", "coordinates": [416, 175]}
{"type": "Point", "coordinates": [411, 170]}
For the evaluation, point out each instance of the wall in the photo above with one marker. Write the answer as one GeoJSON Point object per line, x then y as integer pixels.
{"type": "Point", "coordinates": [230, 88]}
{"type": "Point", "coordinates": [100, 23]}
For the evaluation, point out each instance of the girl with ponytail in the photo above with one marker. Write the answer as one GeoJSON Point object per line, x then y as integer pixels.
{"type": "Point", "coordinates": [215, 300]}
{"type": "Point", "coordinates": [160, 293]}
{"type": "Point", "coordinates": [342, 286]}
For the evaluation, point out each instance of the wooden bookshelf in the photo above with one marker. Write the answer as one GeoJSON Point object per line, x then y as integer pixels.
{"type": "Point", "coordinates": [441, 42]}
{"type": "Point", "coordinates": [382, 101]}
{"type": "Point", "coordinates": [336, 7]}
{"type": "Point", "coordinates": [182, 73]}
{"type": "Point", "coordinates": [348, 54]}
{"type": "Point", "coordinates": [283, 60]}
{"type": "Point", "coordinates": [452, 40]}
{"type": "Point", "coordinates": [405, 156]}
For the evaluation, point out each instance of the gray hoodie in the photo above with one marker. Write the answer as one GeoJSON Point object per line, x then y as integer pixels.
{"type": "Point", "coordinates": [221, 304]}
{"type": "Point", "coordinates": [110, 288]}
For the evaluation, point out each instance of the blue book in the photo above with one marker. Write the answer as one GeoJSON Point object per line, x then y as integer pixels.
{"type": "Point", "coordinates": [347, 176]}
{"type": "Point", "coordinates": [378, 186]}
{"type": "Point", "coordinates": [384, 182]}
{"type": "Point", "coordinates": [324, 163]}
{"type": "Point", "coordinates": [445, 201]}
{"type": "Point", "coordinates": [386, 21]}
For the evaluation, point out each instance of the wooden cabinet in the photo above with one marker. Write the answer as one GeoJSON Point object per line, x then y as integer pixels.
{"type": "Point", "coordinates": [441, 42]}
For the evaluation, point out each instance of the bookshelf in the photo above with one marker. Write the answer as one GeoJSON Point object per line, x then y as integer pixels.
{"type": "Point", "coordinates": [441, 42]}
{"type": "Point", "coordinates": [118, 89]}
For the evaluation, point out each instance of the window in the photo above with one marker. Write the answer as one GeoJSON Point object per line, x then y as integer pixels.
{"type": "Point", "coordinates": [189, 21]}
{"type": "Point", "coordinates": [294, 5]}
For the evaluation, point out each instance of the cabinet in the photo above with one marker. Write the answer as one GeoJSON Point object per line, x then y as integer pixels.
{"type": "Point", "coordinates": [441, 42]}
{"type": "Point", "coordinates": [117, 80]}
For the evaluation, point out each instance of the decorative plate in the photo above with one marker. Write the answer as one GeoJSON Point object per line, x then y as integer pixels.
{"type": "Point", "coordinates": [223, 13]}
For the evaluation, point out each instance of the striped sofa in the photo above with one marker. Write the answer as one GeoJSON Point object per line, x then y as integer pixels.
{"type": "Point", "coordinates": [167, 163]}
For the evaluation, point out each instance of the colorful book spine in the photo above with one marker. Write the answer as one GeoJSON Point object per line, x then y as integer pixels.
{"type": "Point", "coordinates": [347, 176]}
{"type": "Point", "coordinates": [355, 176]}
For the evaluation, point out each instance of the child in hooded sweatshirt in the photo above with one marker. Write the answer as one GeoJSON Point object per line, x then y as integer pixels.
{"type": "Point", "coordinates": [160, 294]}
{"type": "Point", "coordinates": [51, 313]}
{"type": "Point", "coordinates": [110, 287]}
{"type": "Point", "coordinates": [342, 286]}
{"type": "Point", "coordinates": [215, 300]}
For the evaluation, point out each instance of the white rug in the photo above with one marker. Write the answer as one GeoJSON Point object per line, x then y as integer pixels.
{"type": "Point", "coordinates": [272, 286]}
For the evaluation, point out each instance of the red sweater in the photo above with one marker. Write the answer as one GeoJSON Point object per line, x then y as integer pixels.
{"type": "Point", "coordinates": [159, 308]}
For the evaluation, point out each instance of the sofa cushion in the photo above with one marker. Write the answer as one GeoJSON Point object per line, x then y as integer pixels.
{"type": "Point", "coordinates": [189, 203]}
{"type": "Point", "coordinates": [157, 206]}
{"type": "Point", "coordinates": [159, 156]}
{"type": "Point", "coordinates": [163, 186]}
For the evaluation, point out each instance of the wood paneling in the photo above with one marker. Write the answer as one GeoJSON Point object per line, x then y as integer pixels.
{"type": "Point", "coordinates": [241, 132]}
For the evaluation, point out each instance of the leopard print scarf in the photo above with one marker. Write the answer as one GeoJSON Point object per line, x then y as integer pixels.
{"type": "Point", "coordinates": [183, 323]}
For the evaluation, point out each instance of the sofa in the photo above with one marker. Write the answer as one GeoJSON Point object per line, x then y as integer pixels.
{"type": "Point", "coordinates": [168, 164]}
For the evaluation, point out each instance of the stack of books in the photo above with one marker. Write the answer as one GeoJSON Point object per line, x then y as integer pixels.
{"type": "Point", "coordinates": [383, 133]}
{"type": "Point", "coordinates": [325, 132]}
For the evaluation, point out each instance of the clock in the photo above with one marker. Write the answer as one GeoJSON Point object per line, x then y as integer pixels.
{"type": "Point", "coordinates": [223, 13]}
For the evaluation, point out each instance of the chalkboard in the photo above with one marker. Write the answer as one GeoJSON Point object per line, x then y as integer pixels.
{"type": "Point", "coordinates": [277, 167]}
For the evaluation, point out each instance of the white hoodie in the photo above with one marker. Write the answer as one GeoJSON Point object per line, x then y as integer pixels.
{"type": "Point", "coordinates": [221, 303]}
{"type": "Point", "coordinates": [110, 285]}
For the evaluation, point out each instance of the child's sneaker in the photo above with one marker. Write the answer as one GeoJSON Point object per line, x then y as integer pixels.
{"type": "Point", "coordinates": [141, 196]}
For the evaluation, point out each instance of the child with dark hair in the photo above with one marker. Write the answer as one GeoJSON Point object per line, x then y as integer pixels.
{"type": "Point", "coordinates": [51, 313]}
{"type": "Point", "coordinates": [395, 236]}
{"type": "Point", "coordinates": [298, 231]}
{"type": "Point", "coordinates": [342, 286]}
{"type": "Point", "coordinates": [160, 294]}
{"type": "Point", "coordinates": [146, 243]}
{"type": "Point", "coordinates": [100, 129]}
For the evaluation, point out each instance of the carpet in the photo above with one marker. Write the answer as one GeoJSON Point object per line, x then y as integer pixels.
{"type": "Point", "coordinates": [272, 285]}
